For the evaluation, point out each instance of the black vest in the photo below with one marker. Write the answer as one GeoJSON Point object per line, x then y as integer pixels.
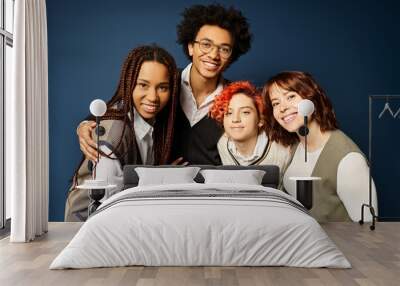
{"type": "Point", "coordinates": [198, 144]}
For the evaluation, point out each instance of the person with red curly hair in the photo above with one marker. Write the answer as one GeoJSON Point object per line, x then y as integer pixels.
{"type": "Point", "coordinates": [240, 109]}
{"type": "Point", "coordinates": [331, 154]}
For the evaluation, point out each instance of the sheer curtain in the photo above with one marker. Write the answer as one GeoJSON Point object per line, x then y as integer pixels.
{"type": "Point", "coordinates": [27, 124]}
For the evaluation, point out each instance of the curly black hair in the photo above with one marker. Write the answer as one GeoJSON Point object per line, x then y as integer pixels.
{"type": "Point", "coordinates": [229, 19]}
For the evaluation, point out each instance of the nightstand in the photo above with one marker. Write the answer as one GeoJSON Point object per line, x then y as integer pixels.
{"type": "Point", "coordinates": [304, 190]}
{"type": "Point", "coordinates": [96, 193]}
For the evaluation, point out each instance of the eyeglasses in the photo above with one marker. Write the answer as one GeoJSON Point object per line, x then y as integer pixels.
{"type": "Point", "coordinates": [206, 46]}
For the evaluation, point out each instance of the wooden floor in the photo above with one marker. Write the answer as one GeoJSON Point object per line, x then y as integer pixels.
{"type": "Point", "coordinates": [374, 255]}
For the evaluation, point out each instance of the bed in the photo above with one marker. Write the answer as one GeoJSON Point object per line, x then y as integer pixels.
{"type": "Point", "coordinates": [201, 224]}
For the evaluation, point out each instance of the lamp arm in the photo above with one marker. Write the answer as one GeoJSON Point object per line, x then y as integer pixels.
{"type": "Point", "coordinates": [305, 138]}
{"type": "Point", "coordinates": [98, 138]}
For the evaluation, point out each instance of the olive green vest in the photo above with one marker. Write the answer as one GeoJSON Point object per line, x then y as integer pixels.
{"type": "Point", "coordinates": [327, 205]}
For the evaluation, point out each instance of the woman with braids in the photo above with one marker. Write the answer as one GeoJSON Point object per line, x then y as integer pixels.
{"type": "Point", "coordinates": [138, 124]}
{"type": "Point", "coordinates": [331, 154]}
{"type": "Point", "coordinates": [240, 109]}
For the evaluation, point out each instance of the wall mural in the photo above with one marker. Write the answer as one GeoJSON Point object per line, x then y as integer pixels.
{"type": "Point", "coordinates": [224, 89]}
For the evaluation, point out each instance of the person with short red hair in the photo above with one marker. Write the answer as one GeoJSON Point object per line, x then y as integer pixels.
{"type": "Point", "coordinates": [240, 109]}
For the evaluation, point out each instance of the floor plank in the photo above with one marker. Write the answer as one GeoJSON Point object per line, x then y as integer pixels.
{"type": "Point", "coordinates": [374, 255]}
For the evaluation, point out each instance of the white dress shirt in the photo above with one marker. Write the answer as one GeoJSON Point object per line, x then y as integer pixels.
{"type": "Point", "coordinates": [189, 106]}
{"type": "Point", "coordinates": [144, 138]}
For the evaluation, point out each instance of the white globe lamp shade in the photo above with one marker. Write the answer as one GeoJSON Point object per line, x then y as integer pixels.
{"type": "Point", "coordinates": [98, 107]}
{"type": "Point", "coordinates": [306, 107]}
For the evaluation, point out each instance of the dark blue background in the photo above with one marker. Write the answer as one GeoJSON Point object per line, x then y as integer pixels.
{"type": "Point", "coordinates": [351, 47]}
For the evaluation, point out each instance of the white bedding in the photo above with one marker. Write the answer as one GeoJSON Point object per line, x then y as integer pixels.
{"type": "Point", "coordinates": [206, 230]}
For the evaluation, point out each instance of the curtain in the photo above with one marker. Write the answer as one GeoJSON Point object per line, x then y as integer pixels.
{"type": "Point", "coordinates": [27, 124]}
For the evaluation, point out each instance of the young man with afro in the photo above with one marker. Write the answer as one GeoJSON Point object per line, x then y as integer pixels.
{"type": "Point", "coordinates": [212, 37]}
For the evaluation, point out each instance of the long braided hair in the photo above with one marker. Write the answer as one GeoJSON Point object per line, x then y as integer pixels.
{"type": "Point", "coordinates": [121, 104]}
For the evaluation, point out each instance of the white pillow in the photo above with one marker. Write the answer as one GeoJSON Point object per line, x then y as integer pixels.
{"type": "Point", "coordinates": [162, 176]}
{"type": "Point", "coordinates": [248, 177]}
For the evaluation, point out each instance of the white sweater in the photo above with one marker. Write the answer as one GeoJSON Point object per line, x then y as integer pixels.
{"type": "Point", "coordinates": [278, 155]}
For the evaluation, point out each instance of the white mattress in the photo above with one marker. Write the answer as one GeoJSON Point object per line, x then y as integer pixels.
{"type": "Point", "coordinates": [207, 230]}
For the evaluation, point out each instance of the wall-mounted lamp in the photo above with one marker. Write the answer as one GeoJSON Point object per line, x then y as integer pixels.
{"type": "Point", "coordinates": [305, 109]}
{"type": "Point", "coordinates": [304, 185]}
{"type": "Point", "coordinates": [96, 187]}
{"type": "Point", "coordinates": [98, 108]}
